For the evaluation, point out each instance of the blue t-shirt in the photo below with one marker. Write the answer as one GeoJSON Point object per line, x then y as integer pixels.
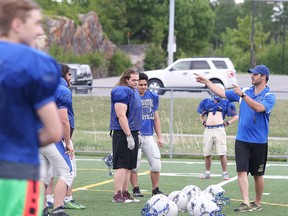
{"type": "Point", "coordinates": [223, 105]}
{"type": "Point", "coordinates": [150, 104]}
{"type": "Point", "coordinates": [130, 97]}
{"type": "Point", "coordinates": [65, 100]}
{"type": "Point", "coordinates": [253, 126]}
{"type": "Point", "coordinates": [28, 80]}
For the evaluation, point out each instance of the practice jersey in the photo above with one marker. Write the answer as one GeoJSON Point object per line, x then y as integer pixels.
{"type": "Point", "coordinates": [65, 100]}
{"type": "Point", "coordinates": [210, 105]}
{"type": "Point", "coordinates": [150, 104]}
{"type": "Point", "coordinates": [28, 80]}
{"type": "Point", "coordinates": [130, 97]}
{"type": "Point", "coordinates": [253, 126]}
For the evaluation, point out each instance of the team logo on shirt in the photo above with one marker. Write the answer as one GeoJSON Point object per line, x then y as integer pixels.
{"type": "Point", "coordinates": [147, 109]}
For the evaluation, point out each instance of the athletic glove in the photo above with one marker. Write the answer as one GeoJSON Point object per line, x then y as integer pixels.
{"type": "Point", "coordinates": [130, 142]}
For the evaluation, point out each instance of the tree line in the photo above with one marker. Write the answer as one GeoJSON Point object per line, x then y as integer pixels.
{"type": "Point", "coordinates": [219, 28]}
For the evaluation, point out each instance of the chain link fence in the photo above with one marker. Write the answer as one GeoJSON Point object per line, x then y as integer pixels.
{"type": "Point", "coordinates": [181, 126]}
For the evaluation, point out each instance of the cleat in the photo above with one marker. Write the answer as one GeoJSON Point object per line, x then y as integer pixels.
{"type": "Point", "coordinates": [118, 198]}
{"type": "Point", "coordinates": [49, 205]}
{"type": "Point", "coordinates": [128, 198]}
{"type": "Point", "coordinates": [46, 212]}
{"type": "Point", "coordinates": [157, 191]}
{"type": "Point", "coordinates": [58, 212]}
{"type": "Point", "coordinates": [243, 208]}
{"type": "Point", "coordinates": [255, 206]}
{"type": "Point", "coordinates": [137, 192]}
{"type": "Point", "coordinates": [225, 176]}
{"type": "Point", "coordinates": [73, 205]}
{"type": "Point", "coordinates": [206, 176]}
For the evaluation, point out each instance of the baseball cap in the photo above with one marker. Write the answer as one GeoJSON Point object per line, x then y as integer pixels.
{"type": "Point", "coordinates": [260, 69]}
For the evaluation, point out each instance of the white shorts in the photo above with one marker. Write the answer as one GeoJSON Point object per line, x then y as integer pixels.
{"type": "Point", "coordinates": [151, 152]}
{"type": "Point", "coordinates": [52, 157]}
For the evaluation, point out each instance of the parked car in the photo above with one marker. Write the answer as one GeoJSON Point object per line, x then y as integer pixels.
{"type": "Point", "coordinates": [81, 78]}
{"type": "Point", "coordinates": [180, 74]}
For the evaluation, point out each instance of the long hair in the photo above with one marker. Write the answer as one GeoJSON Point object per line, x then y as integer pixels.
{"type": "Point", "coordinates": [10, 9]}
{"type": "Point", "coordinates": [126, 76]}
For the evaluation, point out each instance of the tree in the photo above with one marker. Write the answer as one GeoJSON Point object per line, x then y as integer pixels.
{"type": "Point", "coordinates": [239, 38]}
{"type": "Point", "coordinates": [194, 25]}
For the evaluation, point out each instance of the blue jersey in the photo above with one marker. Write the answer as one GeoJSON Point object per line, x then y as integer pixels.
{"type": "Point", "coordinates": [65, 100]}
{"type": "Point", "coordinates": [28, 80]}
{"type": "Point", "coordinates": [130, 97]}
{"type": "Point", "coordinates": [223, 105]}
{"type": "Point", "coordinates": [150, 104]}
{"type": "Point", "coordinates": [253, 126]}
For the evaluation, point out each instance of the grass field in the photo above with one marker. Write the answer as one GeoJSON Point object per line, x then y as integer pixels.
{"type": "Point", "coordinates": [92, 116]}
{"type": "Point", "coordinates": [94, 187]}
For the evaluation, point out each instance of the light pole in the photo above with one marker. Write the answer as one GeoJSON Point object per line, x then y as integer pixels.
{"type": "Point", "coordinates": [252, 54]}
{"type": "Point", "coordinates": [170, 47]}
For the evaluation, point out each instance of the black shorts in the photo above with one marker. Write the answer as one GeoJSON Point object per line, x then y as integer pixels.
{"type": "Point", "coordinates": [122, 156]}
{"type": "Point", "coordinates": [251, 157]}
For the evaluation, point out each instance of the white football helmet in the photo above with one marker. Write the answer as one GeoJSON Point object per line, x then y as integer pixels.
{"type": "Point", "coordinates": [191, 190]}
{"type": "Point", "coordinates": [160, 207]}
{"type": "Point", "coordinates": [180, 198]}
{"type": "Point", "coordinates": [200, 206]}
{"type": "Point", "coordinates": [218, 193]}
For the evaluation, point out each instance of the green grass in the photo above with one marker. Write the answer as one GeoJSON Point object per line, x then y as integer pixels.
{"type": "Point", "coordinates": [92, 116]}
{"type": "Point", "coordinates": [94, 187]}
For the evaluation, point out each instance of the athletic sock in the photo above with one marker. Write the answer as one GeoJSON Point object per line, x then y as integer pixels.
{"type": "Point", "coordinates": [68, 198]}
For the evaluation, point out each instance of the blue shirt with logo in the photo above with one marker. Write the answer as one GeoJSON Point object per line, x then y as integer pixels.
{"type": "Point", "coordinates": [253, 126]}
{"type": "Point", "coordinates": [150, 104]}
{"type": "Point", "coordinates": [130, 97]}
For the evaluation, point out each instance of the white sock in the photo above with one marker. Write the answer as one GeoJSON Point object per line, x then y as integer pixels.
{"type": "Point", "coordinates": [207, 172]}
{"type": "Point", "coordinates": [50, 198]}
{"type": "Point", "coordinates": [68, 198]}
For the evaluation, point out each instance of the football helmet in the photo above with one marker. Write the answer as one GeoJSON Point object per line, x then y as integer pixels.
{"type": "Point", "coordinates": [218, 193]}
{"type": "Point", "coordinates": [108, 160]}
{"type": "Point", "coordinates": [161, 206]}
{"type": "Point", "coordinates": [191, 190]}
{"type": "Point", "coordinates": [180, 198]}
{"type": "Point", "coordinates": [200, 206]}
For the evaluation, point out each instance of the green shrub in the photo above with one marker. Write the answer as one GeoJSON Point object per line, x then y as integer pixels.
{"type": "Point", "coordinates": [118, 63]}
{"type": "Point", "coordinates": [155, 57]}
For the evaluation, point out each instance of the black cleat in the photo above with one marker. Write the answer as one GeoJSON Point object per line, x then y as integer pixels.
{"type": "Point", "coordinates": [137, 192]}
{"type": "Point", "coordinates": [157, 191]}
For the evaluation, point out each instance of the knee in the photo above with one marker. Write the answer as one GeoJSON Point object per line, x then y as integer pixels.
{"type": "Point", "coordinates": [67, 178]}
{"type": "Point", "coordinates": [156, 165]}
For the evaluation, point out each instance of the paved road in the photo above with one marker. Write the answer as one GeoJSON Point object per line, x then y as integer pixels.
{"type": "Point", "coordinates": [277, 83]}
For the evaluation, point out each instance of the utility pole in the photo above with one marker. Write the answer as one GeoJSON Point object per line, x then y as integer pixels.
{"type": "Point", "coordinates": [252, 53]}
{"type": "Point", "coordinates": [171, 46]}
